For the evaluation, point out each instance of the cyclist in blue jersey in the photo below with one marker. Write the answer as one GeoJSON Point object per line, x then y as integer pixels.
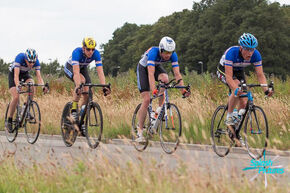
{"type": "Point", "coordinates": [231, 71]}
{"type": "Point", "coordinates": [76, 70]}
{"type": "Point", "coordinates": [19, 71]}
{"type": "Point", "coordinates": [150, 70]}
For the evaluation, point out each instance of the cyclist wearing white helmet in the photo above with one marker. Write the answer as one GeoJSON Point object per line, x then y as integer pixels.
{"type": "Point", "coordinates": [19, 71]}
{"type": "Point", "coordinates": [150, 70]}
{"type": "Point", "coordinates": [231, 71]}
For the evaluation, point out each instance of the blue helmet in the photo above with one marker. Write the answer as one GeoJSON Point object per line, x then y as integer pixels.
{"type": "Point", "coordinates": [31, 55]}
{"type": "Point", "coordinates": [247, 40]}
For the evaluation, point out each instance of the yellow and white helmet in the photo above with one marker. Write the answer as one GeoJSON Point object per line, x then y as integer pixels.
{"type": "Point", "coordinates": [89, 43]}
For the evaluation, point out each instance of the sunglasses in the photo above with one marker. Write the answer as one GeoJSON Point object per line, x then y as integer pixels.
{"type": "Point", "coordinates": [90, 49]}
{"type": "Point", "coordinates": [249, 49]}
{"type": "Point", "coordinates": [166, 52]}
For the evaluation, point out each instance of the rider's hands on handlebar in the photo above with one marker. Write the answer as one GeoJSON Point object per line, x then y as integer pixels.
{"type": "Point", "coordinates": [106, 91]}
{"type": "Point", "coordinates": [238, 91]}
{"type": "Point", "coordinates": [269, 92]}
{"type": "Point", "coordinates": [185, 93]}
{"type": "Point", "coordinates": [18, 88]}
{"type": "Point", "coordinates": [155, 92]}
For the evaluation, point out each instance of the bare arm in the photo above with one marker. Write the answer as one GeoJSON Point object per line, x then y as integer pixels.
{"type": "Point", "coordinates": [39, 78]}
{"type": "Point", "coordinates": [101, 75]}
{"type": "Point", "coordinates": [178, 76]}
{"type": "Point", "coordinates": [229, 77]}
{"type": "Point", "coordinates": [261, 76]}
{"type": "Point", "coordinates": [77, 78]}
{"type": "Point", "coordinates": [151, 71]}
{"type": "Point", "coordinates": [16, 76]}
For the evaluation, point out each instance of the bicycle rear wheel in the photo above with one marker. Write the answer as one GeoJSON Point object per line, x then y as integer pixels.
{"type": "Point", "coordinates": [68, 132]}
{"type": "Point", "coordinates": [220, 133]}
{"type": "Point", "coordinates": [94, 124]}
{"type": "Point", "coordinates": [170, 129]}
{"type": "Point", "coordinates": [11, 136]}
{"type": "Point", "coordinates": [135, 121]}
{"type": "Point", "coordinates": [32, 122]}
{"type": "Point", "coordinates": [256, 132]}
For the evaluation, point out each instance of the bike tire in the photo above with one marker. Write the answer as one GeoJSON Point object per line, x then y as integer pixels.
{"type": "Point", "coordinates": [11, 136]}
{"type": "Point", "coordinates": [32, 122]}
{"type": "Point", "coordinates": [220, 138]}
{"type": "Point", "coordinates": [68, 132]}
{"type": "Point", "coordinates": [170, 130]}
{"type": "Point", "coordinates": [256, 145]}
{"type": "Point", "coordinates": [94, 130]}
{"type": "Point", "coordinates": [140, 146]}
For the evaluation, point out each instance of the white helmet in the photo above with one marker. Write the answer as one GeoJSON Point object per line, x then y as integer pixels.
{"type": "Point", "coordinates": [167, 44]}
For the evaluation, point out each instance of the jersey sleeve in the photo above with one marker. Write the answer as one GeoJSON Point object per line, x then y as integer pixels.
{"type": "Point", "coordinates": [76, 57]}
{"type": "Point", "coordinates": [174, 60]}
{"type": "Point", "coordinates": [152, 55]}
{"type": "Point", "coordinates": [229, 58]}
{"type": "Point", "coordinates": [18, 60]}
{"type": "Point", "coordinates": [256, 59]}
{"type": "Point", "coordinates": [36, 66]}
{"type": "Point", "coordinates": [97, 58]}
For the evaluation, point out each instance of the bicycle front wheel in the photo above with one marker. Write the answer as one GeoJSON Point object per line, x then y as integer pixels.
{"type": "Point", "coordinates": [11, 135]}
{"type": "Point", "coordinates": [170, 129]}
{"type": "Point", "coordinates": [32, 122]}
{"type": "Point", "coordinates": [94, 124]}
{"type": "Point", "coordinates": [68, 132]}
{"type": "Point", "coordinates": [256, 132]}
{"type": "Point", "coordinates": [220, 133]}
{"type": "Point", "coordinates": [140, 146]}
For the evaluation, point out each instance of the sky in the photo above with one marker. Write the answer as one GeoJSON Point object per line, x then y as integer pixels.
{"type": "Point", "coordinates": [54, 28]}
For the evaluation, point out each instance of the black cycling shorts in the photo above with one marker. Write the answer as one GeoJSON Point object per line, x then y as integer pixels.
{"type": "Point", "coordinates": [237, 74]}
{"type": "Point", "coordinates": [23, 76]}
{"type": "Point", "coordinates": [68, 70]}
{"type": "Point", "coordinates": [142, 76]}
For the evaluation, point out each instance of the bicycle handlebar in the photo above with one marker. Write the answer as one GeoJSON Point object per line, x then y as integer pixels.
{"type": "Point", "coordinates": [244, 87]}
{"type": "Point", "coordinates": [92, 85]}
{"type": "Point", "coordinates": [168, 85]}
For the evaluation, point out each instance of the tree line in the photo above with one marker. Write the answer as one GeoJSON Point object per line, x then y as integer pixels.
{"type": "Point", "coordinates": [205, 32]}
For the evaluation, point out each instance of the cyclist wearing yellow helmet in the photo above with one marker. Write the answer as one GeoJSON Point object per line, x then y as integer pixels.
{"type": "Point", "coordinates": [76, 70]}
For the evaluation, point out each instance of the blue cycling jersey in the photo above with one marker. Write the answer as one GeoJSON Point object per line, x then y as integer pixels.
{"type": "Point", "coordinates": [78, 58]}
{"type": "Point", "coordinates": [232, 57]}
{"type": "Point", "coordinates": [20, 63]}
{"type": "Point", "coordinates": [152, 57]}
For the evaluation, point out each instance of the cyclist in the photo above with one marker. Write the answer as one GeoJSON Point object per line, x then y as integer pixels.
{"type": "Point", "coordinates": [76, 69]}
{"type": "Point", "coordinates": [149, 70]}
{"type": "Point", "coordinates": [231, 71]}
{"type": "Point", "coordinates": [19, 71]}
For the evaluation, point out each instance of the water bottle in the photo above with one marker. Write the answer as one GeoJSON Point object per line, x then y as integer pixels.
{"type": "Point", "coordinates": [82, 110]}
{"type": "Point", "coordinates": [153, 118]}
{"type": "Point", "coordinates": [235, 113]}
{"type": "Point", "coordinates": [157, 121]}
{"type": "Point", "coordinates": [241, 113]}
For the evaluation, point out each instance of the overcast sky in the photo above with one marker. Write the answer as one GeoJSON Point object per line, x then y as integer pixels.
{"type": "Point", "coordinates": [55, 27]}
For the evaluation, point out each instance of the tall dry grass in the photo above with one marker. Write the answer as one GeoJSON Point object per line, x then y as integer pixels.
{"type": "Point", "coordinates": [196, 111]}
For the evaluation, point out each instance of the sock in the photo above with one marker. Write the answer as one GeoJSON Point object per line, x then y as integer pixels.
{"type": "Point", "coordinates": [74, 106]}
{"type": "Point", "coordinates": [10, 119]}
{"type": "Point", "coordinates": [229, 115]}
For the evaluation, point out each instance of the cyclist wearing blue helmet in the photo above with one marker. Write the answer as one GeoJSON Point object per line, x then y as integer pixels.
{"type": "Point", "coordinates": [19, 71]}
{"type": "Point", "coordinates": [231, 71]}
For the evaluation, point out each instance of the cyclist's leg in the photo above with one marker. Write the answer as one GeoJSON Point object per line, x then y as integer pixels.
{"type": "Point", "coordinates": [160, 74]}
{"type": "Point", "coordinates": [144, 88]}
{"type": "Point", "coordinates": [242, 101]}
{"type": "Point", "coordinates": [86, 78]}
{"type": "Point", "coordinates": [14, 94]}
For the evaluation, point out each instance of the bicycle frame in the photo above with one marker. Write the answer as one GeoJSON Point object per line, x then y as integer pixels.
{"type": "Point", "coordinates": [90, 99]}
{"type": "Point", "coordinates": [164, 106]}
{"type": "Point", "coordinates": [20, 120]}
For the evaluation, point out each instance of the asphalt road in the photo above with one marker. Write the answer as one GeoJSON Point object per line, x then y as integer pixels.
{"type": "Point", "coordinates": [51, 149]}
